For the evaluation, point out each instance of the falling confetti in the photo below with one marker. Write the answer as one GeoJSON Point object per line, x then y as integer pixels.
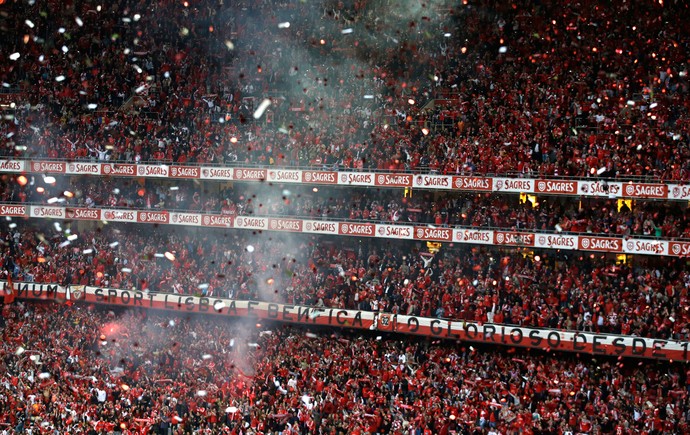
{"type": "Point", "coordinates": [259, 112]}
{"type": "Point", "coordinates": [347, 31]}
{"type": "Point", "coordinates": [79, 21]}
{"type": "Point", "coordinates": [219, 305]}
{"type": "Point", "coordinates": [170, 256]}
{"type": "Point", "coordinates": [284, 25]}
{"type": "Point", "coordinates": [250, 248]}
{"type": "Point", "coordinates": [14, 56]}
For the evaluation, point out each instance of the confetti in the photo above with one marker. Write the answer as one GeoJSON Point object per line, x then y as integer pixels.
{"type": "Point", "coordinates": [284, 25]}
{"type": "Point", "coordinates": [124, 387]}
{"type": "Point", "coordinates": [503, 49]}
{"type": "Point", "coordinates": [49, 180]}
{"type": "Point", "coordinates": [72, 237]}
{"type": "Point", "coordinates": [250, 248]}
{"type": "Point", "coordinates": [170, 256]}
{"type": "Point", "coordinates": [259, 112]}
{"type": "Point", "coordinates": [114, 244]}
{"type": "Point", "coordinates": [206, 356]}
{"type": "Point", "coordinates": [126, 270]}
{"type": "Point", "coordinates": [231, 409]}
{"type": "Point", "coordinates": [219, 305]}
{"type": "Point", "coordinates": [229, 45]}
{"type": "Point", "coordinates": [44, 375]}
{"type": "Point", "coordinates": [14, 56]}
{"type": "Point", "coordinates": [29, 23]}
{"type": "Point", "coordinates": [252, 344]}
{"type": "Point", "coordinates": [201, 393]}
{"type": "Point", "coordinates": [92, 106]}
{"type": "Point", "coordinates": [65, 243]}
{"type": "Point", "coordinates": [20, 350]}
{"type": "Point", "coordinates": [34, 358]}
{"type": "Point", "coordinates": [13, 225]}
{"type": "Point", "coordinates": [87, 251]}
{"type": "Point", "coordinates": [79, 21]}
{"type": "Point", "coordinates": [347, 31]}
{"type": "Point", "coordinates": [311, 335]}
{"type": "Point", "coordinates": [65, 49]}
{"type": "Point", "coordinates": [368, 97]}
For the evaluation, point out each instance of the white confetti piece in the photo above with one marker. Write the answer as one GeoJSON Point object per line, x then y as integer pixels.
{"type": "Point", "coordinates": [79, 21]}
{"type": "Point", "coordinates": [232, 342]}
{"type": "Point", "coordinates": [206, 356]}
{"type": "Point", "coordinates": [114, 244]}
{"type": "Point", "coordinates": [219, 305]}
{"type": "Point", "coordinates": [29, 23]}
{"type": "Point", "coordinates": [347, 31]}
{"type": "Point", "coordinates": [34, 358]}
{"type": "Point", "coordinates": [202, 286]}
{"type": "Point", "coordinates": [170, 256]}
{"type": "Point", "coordinates": [231, 409]}
{"type": "Point", "coordinates": [13, 225]}
{"type": "Point", "coordinates": [503, 49]}
{"type": "Point", "coordinates": [44, 375]}
{"type": "Point", "coordinates": [20, 350]}
{"type": "Point", "coordinates": [87, 251]}
{"type": "Point", "coordinates": [61, 30]}
{"type": "Point", "coordinates": [284, 25]}
{"type": "Point", "coordinates": [65, 49]}
{"type": "Point", "coordinates": [250, 248]}
{"type": "Point", "coordinates": [72, 237]}
{"type": "Point", "coordinates": [259, 112]}
{"type": "Point", "coordinates": [253, 345]}
{"type": "Point", "coordinates": [158, 255]}
{"type": "Point", "coordinates": [229, 45]}
{"type": "Point", "coordinates": [137, 17]}
{"type": "Point", "coordinates": [311, 335]}
{"type": "Point", "coordinates": [92, 106]}
{"type": "Point", "coordinates": [201, 393]}
{"type": "Point", "coordinates": [52, 200]}
{"type": "Point", "coordinates": [14, 56]}
{"type": "Point", "coordinates": [140, 89]}
{"type": "Point", "coordinates": [126, 270]}
{"type": "Point", "coordinates": [368, 97]}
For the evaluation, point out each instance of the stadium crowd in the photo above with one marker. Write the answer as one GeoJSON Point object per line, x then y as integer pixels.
{"type": "Point", "coordinates": [596, 216]}
{"type": "Point", "coordinates": [532, 88]}
{"type": "Point", "coordinates": [138, 372]}
{"type": "Point", "coordinates": [564, 290]}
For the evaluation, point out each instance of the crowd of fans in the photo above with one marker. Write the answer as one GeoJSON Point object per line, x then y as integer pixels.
{"type": "Point", "coordinates": [528, 87]}
{"type": "Point", "coordinates": [591, 215]}
{"type": "Point", "coordinates": [564, 290]}
{"type": "Point", "coordinates": [522, 88]}
{"type": "Point", "coordinates": [137, 372]}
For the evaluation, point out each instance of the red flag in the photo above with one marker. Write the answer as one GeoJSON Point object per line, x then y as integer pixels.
{"type": "Point", "coordinates": [9, 290]}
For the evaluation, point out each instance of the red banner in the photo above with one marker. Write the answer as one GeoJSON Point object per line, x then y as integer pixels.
{"type": "Point", "coordinates": [457, 330]}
